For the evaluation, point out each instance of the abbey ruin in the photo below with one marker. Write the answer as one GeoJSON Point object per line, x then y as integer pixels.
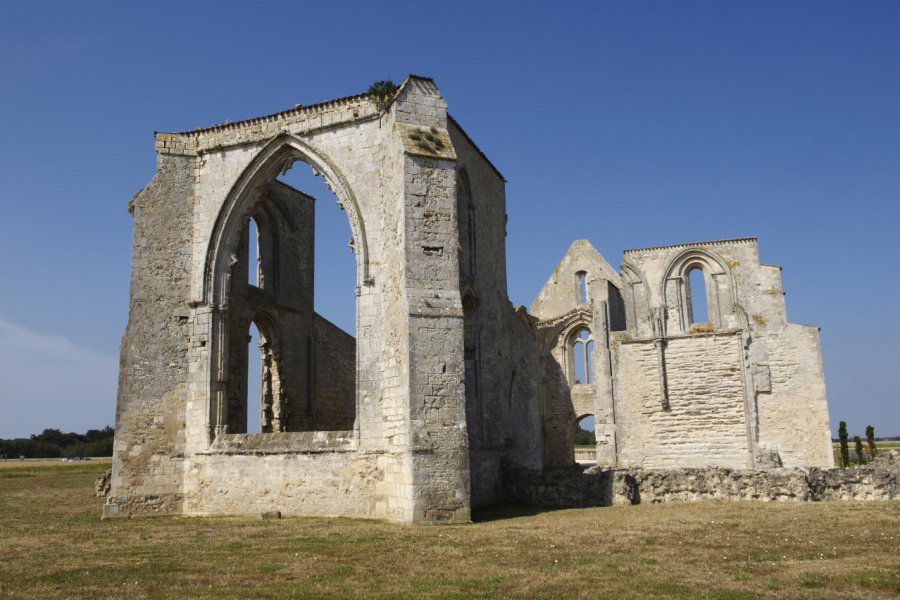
{"type": "Point", "coordinates": [444, 388]}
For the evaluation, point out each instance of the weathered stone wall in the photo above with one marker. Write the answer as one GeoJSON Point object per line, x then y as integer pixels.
{"type": "Point", "coordinates": [335, 376]}
{"type": "Point", "coordinates": [439, 482]}
{"type": "Point", "coordinates": [313, 473]}
{"type": "Point", "coordinates": [793, 416]}
{"type": "Point", "coordinates": [573, 488]}
{"type": "Point", "coordinates": [501, 374]}
{"type": "Point", "coordinates": [400, 200]}
{"type": "Point", "coordinates": [743, 388]}
{"type": "Point", "coordinates": [153, 372]}
{"type": "Point", "coordinates": [565, 306]}
{"type": "Point", "coordinates": [777, 363]}
{"type": "Point", "coordinates": [704, 422]}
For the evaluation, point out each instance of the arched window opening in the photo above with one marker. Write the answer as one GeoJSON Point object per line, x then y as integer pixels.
{"type": "Point", "coordinates": [697, 296]}
{"type": "Point", "coordinates": [581, 276]}
{"type": "Point", "coordinates": [254, 380]}
{"type": "Point", "coordinates": [588, 360]}
{"type": "Point", "coordinates": [582, 349]}
{"type": "Point", "coordinates": [472, 360]}
{"type": "Point", "coordinates": [297, 371]}
{"type": "Point", "coordinates": [584, 440]}
{"type": "Point", "coordinates": [467, 228]}
{"type": "Point", "coordinates": [617, 312]}
{"type": "Point", "coordinates": [258, 248]}
{"type": "Point", "coordinates": [330, 262]}
{"type": "Point", "coordinates": [470, 211]}
{"type": "Point", "coordinates": [318, 280]}
{"type": "Point", "coordinates": [253, 253]}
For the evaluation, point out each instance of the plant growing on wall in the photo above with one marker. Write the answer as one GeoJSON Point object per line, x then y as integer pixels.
{"type": "Point", "coordinates": [870, 440]}
{"type": "Point", "coordinates": [845, 451]}
{"type": "Point", "coordinates": [383, 93]}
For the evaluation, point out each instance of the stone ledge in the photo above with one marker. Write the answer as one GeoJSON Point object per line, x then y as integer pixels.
{"type": "Point", "coordinates": [294, 442]}
{"type": "Point", "coordinates": [726, 332]}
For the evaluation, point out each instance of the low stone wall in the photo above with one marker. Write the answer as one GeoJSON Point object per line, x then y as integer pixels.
{"type": "Point", "coordinates": [571, 488]}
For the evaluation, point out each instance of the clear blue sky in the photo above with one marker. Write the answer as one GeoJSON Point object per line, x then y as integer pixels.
{"type": "Point", "coordinates": [629, 124]}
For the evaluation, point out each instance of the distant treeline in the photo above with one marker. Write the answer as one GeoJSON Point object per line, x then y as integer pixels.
{"type": "Point", "coordinates": [53, 443]}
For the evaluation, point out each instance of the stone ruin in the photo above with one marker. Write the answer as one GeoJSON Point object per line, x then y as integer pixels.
{"type": "Point", "coordinates": [446, 390]}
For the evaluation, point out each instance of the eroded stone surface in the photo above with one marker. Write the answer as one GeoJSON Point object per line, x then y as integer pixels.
{"type": "Point", "coordinates": [572, 488]}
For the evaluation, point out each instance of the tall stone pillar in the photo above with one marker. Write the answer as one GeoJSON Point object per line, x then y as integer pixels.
{"type": "Point", "coordinates": [439, 459]}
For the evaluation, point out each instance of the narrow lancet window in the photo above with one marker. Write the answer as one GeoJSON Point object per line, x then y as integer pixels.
{"type": "Point", "coordinates": [588, 360]}
{"type": "Point", "coordinates": [581, 276]}
{"type": "Point", "coordinates": [697, 293]}
{"type": "Point", "coordinates": [254, 381]}
{"type": "Point", "coordinates": [252, 253]}
{"type": "Point", "coordinates": [471, 238]}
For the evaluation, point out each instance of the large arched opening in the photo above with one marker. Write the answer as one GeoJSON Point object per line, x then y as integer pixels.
{"type": "Point", "coordinates": [278, 249]}
{"type": "Point", "coordinates": [584, 440]}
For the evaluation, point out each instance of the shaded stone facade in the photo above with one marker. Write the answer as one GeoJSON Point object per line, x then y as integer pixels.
{"type": "Point", "coordinates": [445, 386]}
{"type": "Point", "coordinates": [739, 387]}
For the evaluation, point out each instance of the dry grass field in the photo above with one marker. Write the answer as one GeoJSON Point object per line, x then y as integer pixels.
{"type": "Point", "coordinates": [53, 545]}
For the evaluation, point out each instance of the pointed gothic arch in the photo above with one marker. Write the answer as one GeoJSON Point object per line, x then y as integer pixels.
{"type": "Point", "coordinates": [252, 196]}
{"type": "Point", "coordinates": [275, 158]}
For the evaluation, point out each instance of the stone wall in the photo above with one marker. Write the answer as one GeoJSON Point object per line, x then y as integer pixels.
{"type": "Point", "coordinates": [500, 351]}
{"type": "Point", "coordinates": [582, 294]}
{"type": "Point", "coordinates": [335, 376]}
{"type": "Point", "coordinates": [574, 488]}
{"type": "Point", "coordinates": [153, 372]}
{"type": "Point", "coordinates": [734, 386]}
{"type": "Point", "coordinates": [408, 455]}
{"type": "Point", "coordinates": [777, 364]}
{"type": "Point", "coordinates": [280, 304]}
{"type": "Point", "coordinates": [704, 421]}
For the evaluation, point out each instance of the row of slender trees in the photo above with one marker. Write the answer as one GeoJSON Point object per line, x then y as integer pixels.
{"type": "Point", "coordinates": [843, 440]}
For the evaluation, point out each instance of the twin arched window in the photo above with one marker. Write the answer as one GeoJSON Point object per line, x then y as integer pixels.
{"type": "Point", "coordinates": [581, 349]}
{"type": "Point", "coordinates": [698, 293]}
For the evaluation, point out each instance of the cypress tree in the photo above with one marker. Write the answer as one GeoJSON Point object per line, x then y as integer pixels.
{"type": "Point", "coordinates": [870, 439]}
{"type": "Point", "coordinates": [857, 443]}
{"type": "Point", "coordinates": [845, 451]}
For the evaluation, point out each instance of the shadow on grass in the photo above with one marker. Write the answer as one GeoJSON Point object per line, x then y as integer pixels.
{"type": "Point", "coordinates": [499, 512]}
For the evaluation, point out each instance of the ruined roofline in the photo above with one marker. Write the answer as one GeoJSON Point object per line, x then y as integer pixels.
{"type": "Point", "coordinates": [297, 110]}
{"type": "Point", "coordinates": [293, 189]}
{"type": "Point", "coordinates": [743, 240]}
{"type": "Point", "coordinates": [579, 311]}
{"type": "Point", "coordinates": [475, 146]}
{"type": "Point", "coordinates": [318, 107]}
